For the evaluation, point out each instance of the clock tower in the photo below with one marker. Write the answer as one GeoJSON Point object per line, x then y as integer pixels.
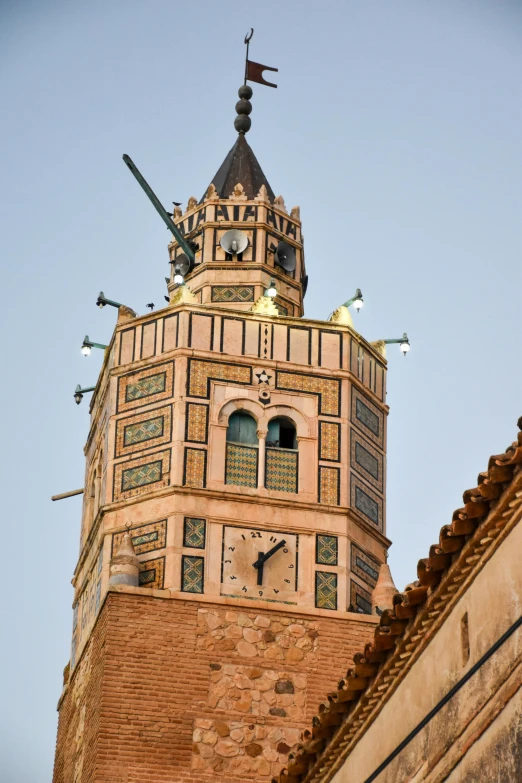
{"type": "Point", "coordinates": [233, 522]}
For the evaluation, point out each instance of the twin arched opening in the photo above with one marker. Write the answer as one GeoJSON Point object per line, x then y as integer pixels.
{"type": "Point", "coordinates": [278, 453]}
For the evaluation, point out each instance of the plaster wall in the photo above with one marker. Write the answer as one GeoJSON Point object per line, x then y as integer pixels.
{"type": "Point", "coordinates": [480, 727]}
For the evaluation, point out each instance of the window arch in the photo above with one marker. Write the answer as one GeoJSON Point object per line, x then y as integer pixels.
{"type": "Point", "coordinates": [242, 452]}
{"type": "Point", "coordinates": [281, 459]}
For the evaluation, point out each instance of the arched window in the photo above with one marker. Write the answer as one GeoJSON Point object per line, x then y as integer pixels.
{"type": "Point", "coordinates": [242, 428]}
{"type": "Point", "coordinates": [281, 434]}
{"type": "Point", "coordinates": [281, 461]}
{"type": "Point", "coordinates": [242, 450]}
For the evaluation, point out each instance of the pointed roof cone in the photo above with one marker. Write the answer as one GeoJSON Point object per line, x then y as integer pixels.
{"type": "Point", "coordinates": [125, 566]}
{"type": "Point", "coordinates": [384, 590]}
{"type": "Point", "coordinates": [240, 166]}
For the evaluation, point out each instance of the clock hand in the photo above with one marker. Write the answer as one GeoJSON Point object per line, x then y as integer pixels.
{"type": "Point", "coordinates": [263, 558]}
{"type": "Point", "coordinates": [260, 568]}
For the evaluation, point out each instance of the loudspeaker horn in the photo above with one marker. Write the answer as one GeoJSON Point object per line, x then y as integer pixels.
{"type": "Point", "coordinates": [182, 264]}
{"type": "Point", "coordinates": [234, 242]}
{"type": "Point", "coordinates": [284, 256]}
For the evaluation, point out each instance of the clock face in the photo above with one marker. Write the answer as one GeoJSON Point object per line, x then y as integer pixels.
{"type": "Point", "coordinates": [259, 564]}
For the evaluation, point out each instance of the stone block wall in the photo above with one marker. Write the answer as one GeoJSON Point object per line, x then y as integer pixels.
{"type": "Point", "coordinates": [191, 691]}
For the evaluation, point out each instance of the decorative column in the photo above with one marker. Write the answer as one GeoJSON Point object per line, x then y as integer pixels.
{"type": "Point", "coordinates": [261, 457]}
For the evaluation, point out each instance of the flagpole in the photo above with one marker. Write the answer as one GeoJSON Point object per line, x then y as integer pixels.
{"type": "Point", "coordinates": [248, 37]}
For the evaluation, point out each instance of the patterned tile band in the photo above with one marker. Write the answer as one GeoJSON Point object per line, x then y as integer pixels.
{"type": "Point", "coordinates": [195, 468]}
{"type": "Point", "coordinates": [241, 465]}
{"type": "Point", "coordinates": [145, 430]}
{"type": "Point", "coordinates": [281, 470]}
{"type": "Point", "coordinates": [232, 293]}
{"type": "Point", "coordinates": [329, 440]}
{"type": "Point", "coordinates": [201, 372]}
{"type": "Point", "coordinates": [366, 460]}
{"type": "Point", "coordinates": [141, 431]}
{"type": "Point", "coordinates": [326, 550]}
{"type": "Point", "coordinates": [367, 417]}
{"type": "Point", "coordinates": [196, 423]}
{"type": "Point", "coordinates": [329, 486]}
{"type": "Point", "coordinates": [144, 387]}
{"type": "Point", "coordinates": [145, 538]}
{"type": "Point", "coordinates": [139, 476]}
{"type": "Point", "coordinates": [325, 590]}
{"type": "Point", "coordinates": [328, 389]}
{"type": "Point", "coordinates": [153, 384]}
{"type": "Point", "coordinates": [360, 599]}
{"type": "Point", "coordinates": [192, 574]}
{"type": "Point", "coordinates": [152, 573]}
{"type": "Point", "coordinates": [194, 533]}
{"type": "Point", "coordinates": [366, 505]}
{"type": "Point", "coordinates": [364, 565]}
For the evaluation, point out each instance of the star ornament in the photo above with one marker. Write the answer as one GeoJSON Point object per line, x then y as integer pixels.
{"type": "Point", "coordinates": [263, 377]}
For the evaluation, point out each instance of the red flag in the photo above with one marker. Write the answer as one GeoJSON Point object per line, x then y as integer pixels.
{"type": "Point", "coordinates": [254, 73]}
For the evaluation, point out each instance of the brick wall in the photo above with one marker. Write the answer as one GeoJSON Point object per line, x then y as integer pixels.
{"type": "Point", "coordinates": [187, 691]}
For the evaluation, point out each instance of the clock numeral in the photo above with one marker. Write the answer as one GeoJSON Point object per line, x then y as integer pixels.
{"type": "Point", "coordinates": [285, 551]}
{"type": "Point", "coordinates": [243, 537]}
{"type": "Point", "coordinates": [275, 591]}
{"type": "Point", "coordinates": [287, 581]}
{"type": "Point", "coordinates": [290, 566]}
{"type": "Point", "coordinates": [233, 577]}
{"type": "Point", "coordinates": [232, 548]}
{"type": "Point", "coordinates": [274, 539]}
{"type": "Point", "coordinates": [260, 592]}
{"type": "Point", "coordinates": [255, 534]}
{"type": "Point", "coordinates": [244, 589]}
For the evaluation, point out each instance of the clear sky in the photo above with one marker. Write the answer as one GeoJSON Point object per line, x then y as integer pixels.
{"type": "Point", "coordinates": [396, 126]}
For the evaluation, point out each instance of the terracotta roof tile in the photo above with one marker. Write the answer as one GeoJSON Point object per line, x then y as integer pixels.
{"type": "Point", "coordinates": [463, 541]}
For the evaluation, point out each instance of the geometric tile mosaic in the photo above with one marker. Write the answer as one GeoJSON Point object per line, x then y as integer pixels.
{"type": "Point", "coordinates": [364, 565]}
{"type": "Point", "coordinates": [232, 293]}
{"type": "Point", "coordinates": [329, 486]}
{"type": "Point", "coordinates": [329, 436]}
{"type": "Point", "coordinates": [325, 590]}
{"type": "Point", "coordinates": [241, 465]}
{"type": "Point", "coordinates": [195, 468]}
{"type": "Point", "coordinates": [196, 424]}
{"type": "Point", "coordinates": [152, 573]}
{"type": "Point", "coordinates": [145, 386]}
{"type": "Point", "coordinates": [192, 569]}
{"type": "Point", "coordinates": [145, 538]}
{"type": "Point", "coordinates": [201, 373]}
{"type": "Point", "coordinates": [194, 531]}
{"type": "Point", "coordinates": [366, 504]}
{"type": "Point", "coordinates": [366, 460]}
{"type": "Point", "coordinates": [143, 431]}
{"type": "Point", "coordinates": [326, 550]}
{"type": "Point", "coordinates": [327, 389]}
{"type": "Point", "coordinates": [136, 433]}
{"type": "Point", "coordinates": [141, 475]}
{"type": "Point", "coordinates": [367, 417]}
{"type": "Point", "coordinates": [366, 501]}
{"type": "Point", "coordinates": [360, 599]}
{"type": "Point", "coordinates": [281, 470]}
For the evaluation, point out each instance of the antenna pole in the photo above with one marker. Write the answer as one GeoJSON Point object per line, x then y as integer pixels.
{"type": "Point", "coordinates": [160, 209]}
{"type": "Point", "coordinates": [248, 38]}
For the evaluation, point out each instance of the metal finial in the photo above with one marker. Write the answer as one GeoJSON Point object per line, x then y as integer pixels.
{"type": "Point", "coordinates": [243, 122]}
